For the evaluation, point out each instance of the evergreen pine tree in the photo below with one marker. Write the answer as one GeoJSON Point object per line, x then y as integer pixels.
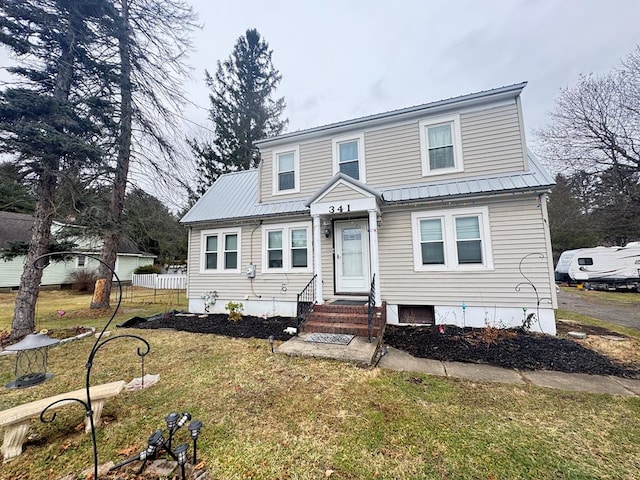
{"type": "Point", "coordinates": [243, 110]}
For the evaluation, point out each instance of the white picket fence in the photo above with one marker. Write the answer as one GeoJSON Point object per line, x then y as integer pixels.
{"type": "Point", "coordinates": [159, 282]}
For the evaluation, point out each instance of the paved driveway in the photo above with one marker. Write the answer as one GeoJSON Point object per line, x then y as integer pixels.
{"type": "Point", "coordinates": [625, 315]}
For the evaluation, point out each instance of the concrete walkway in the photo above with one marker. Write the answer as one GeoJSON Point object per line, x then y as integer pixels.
{"type": "Point", "coordinates": [362, 352]}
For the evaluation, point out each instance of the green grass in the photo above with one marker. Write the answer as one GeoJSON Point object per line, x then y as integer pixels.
{"type": "Point", "coordinates": [616, 298]}
{"type": "Point", "coordinates": [271, 416]}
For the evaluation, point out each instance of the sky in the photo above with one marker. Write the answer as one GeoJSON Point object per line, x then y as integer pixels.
{"type": "Point", "coordinates": [341, 60]}
{"type": "Point", "coordinates": [345, 59]}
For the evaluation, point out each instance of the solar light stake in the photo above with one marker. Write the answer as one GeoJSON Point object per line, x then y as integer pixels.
{"type": "Point", "coordinates": [181, 454]}
{"type": "Point", "coordinates": [271, 342]}
{"type": "Point", "coordinates": [194, 428]}
{"type": "Point", "coordinates": [171, 420]}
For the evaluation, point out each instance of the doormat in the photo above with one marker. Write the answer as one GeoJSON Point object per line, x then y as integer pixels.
{"type": "Point", "coordinates": [335, 338]}
{"type": "Point", "coordinates": [350, 302]}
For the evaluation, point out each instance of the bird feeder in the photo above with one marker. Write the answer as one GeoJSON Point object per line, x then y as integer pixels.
{"type": "Point", "coordinates": [31, 360]}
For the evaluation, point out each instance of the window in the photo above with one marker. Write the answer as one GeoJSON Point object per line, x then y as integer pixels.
{"type": "Point", "coordinates": [286, 247]}
{"type": "Point", "coordinates": [441, 145]}
{"type": "Point", "coordinates": [230, 251]}
{"type": "Point", "coordinates": [211, 252]}
{"type": "Point", "coordinates": [286, 171]}
{"type": "Point", "coordinates": [468, 240]}
{"type": "Point", "coordinates": [220, 251]}
{"type": "Point", "coordinates": [585, 261]}
{"type": "Point", "coordinates": [348, 156]}
{"type": "Point", "coordinates": [432, 242]}
{"type": "Point", "coordinates": [274, 249]}
{"type": "Point", "coordinates": [452, 240]}
{"type": "Point", "coordinates": [81, 261]}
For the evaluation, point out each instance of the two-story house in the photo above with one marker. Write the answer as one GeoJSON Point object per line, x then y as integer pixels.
{"type": "Point", "coordinates": [440, 203]}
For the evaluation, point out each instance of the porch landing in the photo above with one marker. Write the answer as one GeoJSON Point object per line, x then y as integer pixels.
{"type": "Point", "coordinates": [357, 351]}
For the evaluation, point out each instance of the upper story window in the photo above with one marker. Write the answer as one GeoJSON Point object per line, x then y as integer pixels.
{"type": "Point", "coordinates": [287, 247]}
{"type": "Point", "coordinates": [453, 240]}
{"type": "Point", "coordinates": [348, 156]}
{"type": "Point", "coordinates": [220, 251]}
{"type": "Point", "coordinates": [81, 261]}
{"type": "Point", "coordinates": [286, 171]}
{"type": "Point", "coordinates": [441, 145]}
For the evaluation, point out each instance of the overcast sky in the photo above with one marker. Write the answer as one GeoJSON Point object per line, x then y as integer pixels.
{"type": "Point", "coordinates": [345, 59]}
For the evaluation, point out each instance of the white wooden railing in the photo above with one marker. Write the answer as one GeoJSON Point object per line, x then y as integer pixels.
{"type": "Point", "coordinates": [159, 282]}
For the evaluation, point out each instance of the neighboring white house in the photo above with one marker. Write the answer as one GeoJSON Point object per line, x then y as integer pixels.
{"type": "Point", "coordinates": [17, 227]}
{"type": "Point", "coordinates": [441, 202]}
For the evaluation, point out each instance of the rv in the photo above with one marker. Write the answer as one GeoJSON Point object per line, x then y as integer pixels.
{"type": "Point", "coordinates": [561, 272]}
{"type": "Point", "coordinates": [607, 267]}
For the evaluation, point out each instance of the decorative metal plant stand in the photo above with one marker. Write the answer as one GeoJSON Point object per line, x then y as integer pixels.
{"type": "Point", "coordinates": [529, 283]}
{"type": "Point", "coordinates": [42, 262]}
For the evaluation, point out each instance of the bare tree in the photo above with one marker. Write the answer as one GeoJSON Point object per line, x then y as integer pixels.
{"type": "Point", "coordinates": [153, 40]}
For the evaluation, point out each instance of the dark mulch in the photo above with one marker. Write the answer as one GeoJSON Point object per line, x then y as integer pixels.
{"type": "Point", "coordinates": [503, 348]}
{"type": "Point", "coordinates": [219, 324]}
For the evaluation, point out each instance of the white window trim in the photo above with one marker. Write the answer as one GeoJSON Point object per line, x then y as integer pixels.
{"type": "Point", "coordinates": [221, 233]}
{"type": "Point", "coordinates": [286, 247]}
{"type": "Point", "coordinates": [449, 236]}
{"type": "Point", "coordinates": [454, 121]}
{"type": "Point", "coordinates": [86, 260]}
{"type": "Point", "coordinates": [296, 169]}
{"type": "Point", "coordinates": [335, 142]}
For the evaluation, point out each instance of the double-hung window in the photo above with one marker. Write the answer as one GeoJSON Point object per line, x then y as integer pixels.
{"type": "Point", "coordinates": [348, 156]}
{"type": "Point", "coordinates": [220, 251]}
{"type": "Point", "coordinates": [286, 170]}
{"type": "Point", "coordinates": [441, 145]}
{"type": "Point", "coordinates": [287, 248]}
{"type": "Point", "coordinates": [452, 240]}
{"type": "Point", "coordinates": [81, 261]}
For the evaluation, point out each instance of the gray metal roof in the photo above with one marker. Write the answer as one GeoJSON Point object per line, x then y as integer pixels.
{"type": "Point", "coordinates": [535, 179]}
{"type": "Point", "coordinates": [345, 178]}
{"type": "Point", "coordinates": [235, 195]}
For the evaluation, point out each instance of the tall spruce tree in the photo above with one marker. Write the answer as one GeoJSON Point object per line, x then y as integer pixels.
{"type": "Point", "coordinates": [48, 123]}
{"type": "Point", "coordinates": [243, 110]}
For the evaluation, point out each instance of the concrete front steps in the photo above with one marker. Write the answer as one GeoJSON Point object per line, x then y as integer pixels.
{"type": "Point", "coordinates": [346, 319]}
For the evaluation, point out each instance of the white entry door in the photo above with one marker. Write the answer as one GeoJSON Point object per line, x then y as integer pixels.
{"type": "Point", "coordinates": [352, 256]}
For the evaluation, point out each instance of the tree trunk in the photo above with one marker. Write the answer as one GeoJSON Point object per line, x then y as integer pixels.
{"type": "Point", "coordinates": [112, 234]}
{"type": "Point", "coordinates": [24, 321]}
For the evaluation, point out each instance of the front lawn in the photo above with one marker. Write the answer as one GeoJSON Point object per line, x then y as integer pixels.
{"type": "Point", "coordinates": [271, 416]}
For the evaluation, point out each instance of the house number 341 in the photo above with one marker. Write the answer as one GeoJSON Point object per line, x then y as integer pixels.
{"type": "Point", "coordinates": [339, 208]}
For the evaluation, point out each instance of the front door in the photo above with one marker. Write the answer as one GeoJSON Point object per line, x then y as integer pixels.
{"type": "Point", "coordinates": [352, 256]}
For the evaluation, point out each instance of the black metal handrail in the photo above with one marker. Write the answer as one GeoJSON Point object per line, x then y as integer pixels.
{"type": "Point", "coordinates": [305, 301]}
{"type": "Point", "coordinates": [371, 307]}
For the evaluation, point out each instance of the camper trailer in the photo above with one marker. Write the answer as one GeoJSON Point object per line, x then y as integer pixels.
{"type": "Point", "coordinates": [607, 268]}
{"type": "Point", "coordinates": [561, 272]}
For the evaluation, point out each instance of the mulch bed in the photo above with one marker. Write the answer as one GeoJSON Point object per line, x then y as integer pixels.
{"type": "Point", "coordinates": [503, 348]}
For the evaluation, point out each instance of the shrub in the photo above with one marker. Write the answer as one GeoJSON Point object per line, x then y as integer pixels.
{"type": "Point", "coordinates": [83, 280]}
{"type": "Point", "coordinates": [235, 311]}
{"type": "Point", "coordinates": [146, 269]}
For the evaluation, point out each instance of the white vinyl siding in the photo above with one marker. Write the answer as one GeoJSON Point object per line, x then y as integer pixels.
{"type": "Point", "coordinates": [220, 251]}
{"type": "Point", "coordinates": [452, 239]}
{"type": "Point", "coordinates": [517, 230]}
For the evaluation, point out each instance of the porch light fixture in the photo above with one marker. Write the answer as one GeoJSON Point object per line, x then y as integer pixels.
{"type": "Point", "coordinates": [327, 228]}
{"type": "Point", "coordinates": [31, 360]}
{"type": "Point", "coordinates": [194, 428]}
